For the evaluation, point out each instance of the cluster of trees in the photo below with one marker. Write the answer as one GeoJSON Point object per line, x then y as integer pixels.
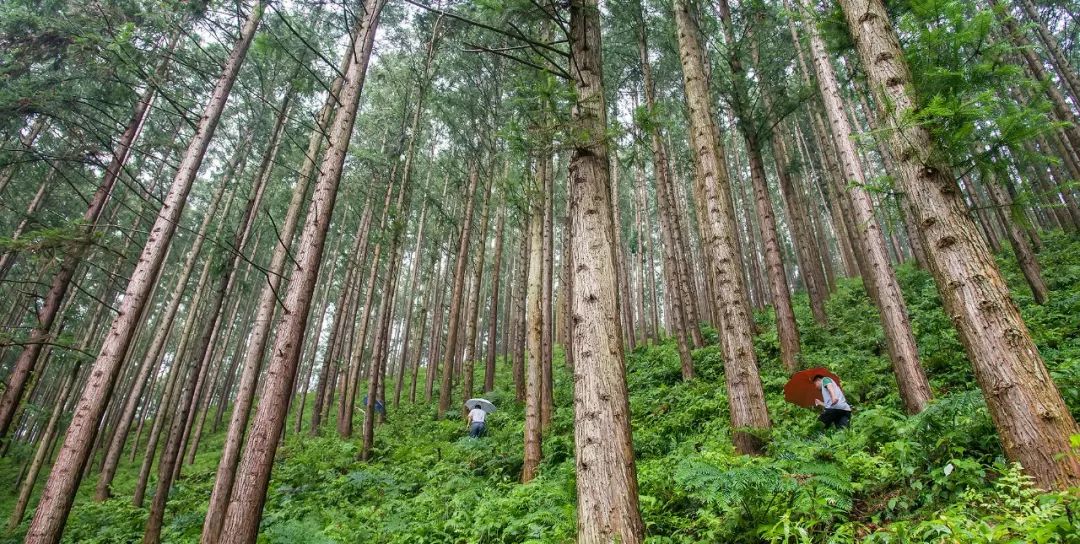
{"type": "Point", "coordinates": [209, 207]}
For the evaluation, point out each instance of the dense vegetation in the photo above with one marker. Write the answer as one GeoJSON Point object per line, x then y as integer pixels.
{"type": "Point", "coordinates": [939, 476]}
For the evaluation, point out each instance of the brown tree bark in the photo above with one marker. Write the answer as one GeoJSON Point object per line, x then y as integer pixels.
{"type": "Point", "coordinates": [521, 315]}
{"type": "Point", "coordinates": [682, 321]}
{"type": "Point", "coordinates": [493, 317]}
{"type": "Point", "coordinates": [454, 318]}
{"type": "Point", "coordinates": [547, 308]}
{"type": "Point", "coordinates": [878, 275]}
{"type": "Point", "coordinates": [604, 456]}
{"type": "Point", "coordinates": [152, 359]}
{"type": "Point", "coordinates": [1025, 256]}
{"type": "Point", "coordinates": [472, 307]}
{"type": "Point", "coordinates": [534, 318]}
{"type": "Point", "coordinates": [1025, 405]}
{"type": "Point", "coordinates": [253, 472]}
{"type": "Point", "coordinates": [745, 394]}
{"type": "Point", "coordinates": [59, 492]}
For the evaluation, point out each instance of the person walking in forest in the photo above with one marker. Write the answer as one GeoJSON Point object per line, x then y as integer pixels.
{"type": "Point", "coordinates": [476, 418]}
{"type": "Point", "coordinates": [837, 411]}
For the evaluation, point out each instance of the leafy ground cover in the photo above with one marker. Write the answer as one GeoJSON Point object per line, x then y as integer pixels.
{"type": "Point", "coordinates": [939, 476]}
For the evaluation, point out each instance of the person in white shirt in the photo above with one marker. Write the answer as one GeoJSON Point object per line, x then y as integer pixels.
{"type": "Point", "coordinates": [837, 411]}
{"type": "Point", "coordinates": [476, 421]}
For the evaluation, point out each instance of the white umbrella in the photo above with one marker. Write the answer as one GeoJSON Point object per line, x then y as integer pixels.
{"type": "Point", "coordinates": [485, 404]}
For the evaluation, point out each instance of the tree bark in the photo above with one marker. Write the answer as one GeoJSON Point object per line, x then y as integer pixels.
{"type": "Point", "coordinates": [681, 319]}
{"type": "Point", "coordinates": [59, 492]}
{"type": "Point", "coordinates": [1026, 407]}
{"type": "Point", "coordinates": [493, 317]}
{"type": "Point", "coordinates": [880, 279]}
{"type": "Point", "coordinates": [253, 473]}
{"type": "Point", "coordinates": [454, 318]}
{"type": "Point", "coordinates": [534, 373]}
{"type": "Point", "coordinates": [604, 456]}
{"type": "Point", "coordinates": [152, 360]}
{"type": "Point", "coordinates": [745, 394]}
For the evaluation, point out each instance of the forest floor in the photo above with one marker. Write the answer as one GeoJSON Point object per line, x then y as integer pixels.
{"type": "Point", "coordinates": [936, 477]}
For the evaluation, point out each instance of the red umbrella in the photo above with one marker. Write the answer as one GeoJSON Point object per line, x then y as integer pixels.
{"type": "Point", "coordinates": [800, 389]}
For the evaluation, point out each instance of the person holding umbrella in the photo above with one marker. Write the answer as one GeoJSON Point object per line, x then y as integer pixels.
{"type": "Point", "coordinates": [477, 416]}
{"type": "Point", "coordinates": [837, 411]}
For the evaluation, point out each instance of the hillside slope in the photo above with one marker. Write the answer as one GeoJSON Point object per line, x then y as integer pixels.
{"type": "Point", "coordinates": [936, 477]}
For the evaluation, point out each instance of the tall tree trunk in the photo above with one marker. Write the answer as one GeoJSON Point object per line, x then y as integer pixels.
{"type": "Point", "coordinates": [878, 274]}
{"type": "Point", "coordinates": [604, 455]}
{"type": "Point", "coordinates": [521, 320]}
{"type": "Point", "coordinates": [454, 318]}
{"type": "Point", "coordinates": [153, 356]}
{"type": "Point", "coordinates": [472, 313]}
{"type": "Point", "coordinates": [681, 320]}
{"type": "Point", "coordinates": [434, 345]}
{"type": "Point", "coordinates": [533, 373]}
{"type": "Point", "coordinates": [260, 331]}
{"type": "Point", "coordinates": [493, 317]}
{"type": "Point", "coordinates": [712, 185]}
{"type": "Point", "coordinates": [59, 491]}
{"type": "Point", "coordinates": [253, 472]}
{"type": "Point", "coordinates": [786, 328]}
{"type": "Point", "coordinates": [1026, 407]}
{"type": "Point", "coordinates": [547, 389]}
{"type": "Point", "coordinates": [1025, 257]}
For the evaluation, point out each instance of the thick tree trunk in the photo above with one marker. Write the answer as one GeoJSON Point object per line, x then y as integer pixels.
{"type": "Point", "coordinates": [153, 356]}
{"type": "Point", "coordinates": [880, 279]}
{"type": "Point", "coordinates": [745, 394]}
{"type": "Point", "coordinates": [604, 455]}
{"type": "Point", "coordinates": [59, 492]}
{"type": "Point", "coordinates": [1027, 409]}
{"type": "Point", "coordinates": [260, 332]}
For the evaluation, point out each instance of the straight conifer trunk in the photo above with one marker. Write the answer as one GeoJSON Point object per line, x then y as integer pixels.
{"type": "Point", "coordinates": [1034, 424]}
{"type": "Point", "coordinates": [59, 491]}
{"type": "Point", "coordinates": [457, 296]}
{"type": "Point", "coordinates": [604, 455]}
{"type": "Point", "coordinates": [253, 472]}
{"type": "Point", "coordinates": [745, 394]}
{"type": "Point", "coordinates": [533, 373]}
{"type": "Point", "coordinates": [878, 274]}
